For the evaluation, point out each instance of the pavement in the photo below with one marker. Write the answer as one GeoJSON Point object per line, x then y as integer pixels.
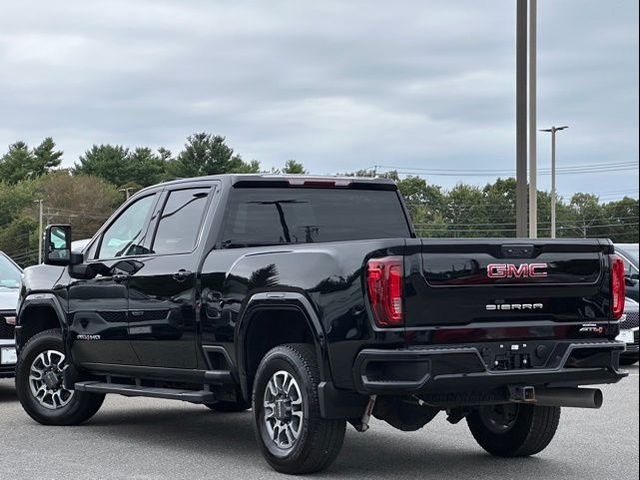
{"type": "Point", "coordinates": [138, 438]}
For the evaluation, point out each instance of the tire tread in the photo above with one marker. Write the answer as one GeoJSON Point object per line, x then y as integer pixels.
{"type": "Point", "coordinates": [325, 437]}
{"type": "Point", "coordinates": [533, 432]}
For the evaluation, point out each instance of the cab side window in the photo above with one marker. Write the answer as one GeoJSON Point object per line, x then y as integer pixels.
{"type": "Point", "coordinates": [180, 221]}
{"type": "Point", "coordinates": [125, 236]}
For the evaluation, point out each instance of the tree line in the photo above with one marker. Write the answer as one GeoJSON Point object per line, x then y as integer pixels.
{"type": "Point", "coordinates": [87, 193]}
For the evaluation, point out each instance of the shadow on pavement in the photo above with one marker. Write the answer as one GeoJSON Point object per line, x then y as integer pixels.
{"type": "Point", "coordinates": [377, 453]}
{"type": "Point", "coordinates": [7, 391]}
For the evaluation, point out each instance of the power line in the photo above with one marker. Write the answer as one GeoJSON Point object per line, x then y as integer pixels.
{"type": "Point", "coordinates": [567, 170]}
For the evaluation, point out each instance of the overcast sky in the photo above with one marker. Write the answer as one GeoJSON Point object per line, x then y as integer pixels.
{"type": "Point", "coordinates": [337, 85]}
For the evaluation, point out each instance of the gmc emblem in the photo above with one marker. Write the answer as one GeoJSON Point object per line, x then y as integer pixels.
{"type": "Point", "coordinates": [510, 270]}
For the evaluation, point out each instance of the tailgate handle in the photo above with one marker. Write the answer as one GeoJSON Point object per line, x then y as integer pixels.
{"type": "Point", "coordinates": [518, 251]}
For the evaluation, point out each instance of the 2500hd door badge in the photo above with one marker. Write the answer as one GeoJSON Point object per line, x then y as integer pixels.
{"type": "Point", "coordinates": [83, 336]}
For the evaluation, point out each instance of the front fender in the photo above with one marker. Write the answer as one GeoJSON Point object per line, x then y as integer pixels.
{"type": "Point", "coordinates": [36, 300]}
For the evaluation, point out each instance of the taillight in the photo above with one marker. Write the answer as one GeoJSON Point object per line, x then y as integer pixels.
{"type": "Point", "coordinates": [384, 283]}
{"type": "Point", "coordinates": [617, 286]}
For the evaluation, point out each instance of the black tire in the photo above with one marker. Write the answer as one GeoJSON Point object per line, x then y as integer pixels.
{"type": "Point", "coordinates": [80, 407]}
{"type": "Point", "coordinates": [627, 361]}
{"type": "Point", "coordinates": [530, 432]}
{"type": "Point", "coordinates": [319, 440]}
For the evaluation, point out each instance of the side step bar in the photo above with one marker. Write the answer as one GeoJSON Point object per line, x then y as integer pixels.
{"type": "Point", "coordinates": [193, 396]}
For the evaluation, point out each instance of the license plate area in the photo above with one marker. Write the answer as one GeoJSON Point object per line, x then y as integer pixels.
{"type": "Point", "coordinates": [8, 356]}
{"type": "Point", "coordinates": [626, 336]}
{"type": "Point", "coordinates": [506, 356]}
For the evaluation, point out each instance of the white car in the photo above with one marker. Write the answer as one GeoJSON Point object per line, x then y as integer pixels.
{"type": "Point", "coordinates": [629, 332]}
{"type": "Point", "coordinates": [10, 278]}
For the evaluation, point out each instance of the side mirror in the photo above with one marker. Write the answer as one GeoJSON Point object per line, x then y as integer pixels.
{"type": "Point", "coordinates": [57, 245]}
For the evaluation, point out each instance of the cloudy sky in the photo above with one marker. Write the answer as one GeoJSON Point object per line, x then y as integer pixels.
{"type": "Point", "coordinates": [337, 85]}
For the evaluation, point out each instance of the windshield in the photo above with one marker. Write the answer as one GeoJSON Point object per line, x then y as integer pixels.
{"type": "Point", "coordinates": [9, 273]}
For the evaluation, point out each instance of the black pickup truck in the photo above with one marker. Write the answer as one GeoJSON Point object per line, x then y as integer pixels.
{"type": "Point", "coordinates": [312, 301]}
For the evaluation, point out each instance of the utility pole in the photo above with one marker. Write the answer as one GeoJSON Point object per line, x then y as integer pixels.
{"type": "Point", "coordinates": [39, 231]}
{"type": "Point", "coordinates": [533, 160]}
{"type": "Point", "coordinates": [127, 191]}
{"type": "Point", "coordinates": [521, 118]}
{"type": "Point", "coordinates": [554, 196]}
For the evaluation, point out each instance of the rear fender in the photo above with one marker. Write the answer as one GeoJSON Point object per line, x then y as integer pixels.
{"type": "Point", "coordinates": [273, 300]}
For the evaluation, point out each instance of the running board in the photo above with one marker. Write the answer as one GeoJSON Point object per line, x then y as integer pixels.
{"type": "Point", "coordinates": [193, 396]}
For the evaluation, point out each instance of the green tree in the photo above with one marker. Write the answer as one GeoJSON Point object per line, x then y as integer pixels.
{"type": "Point", "coordinates": [467, 212]}
{"type": "Point", "coordinates": [21, 163]}
{"type": "Point", "coordinates": [84, 201]}
{"type": "Point", "coordinates": [621, 220]}
{"type": "Point", "coordinates": [293, 167]}
{"type": "Point", "coordinates": [207, 154]}
{"type": "Point", "coordinates": [19, 240]}
{"type": "Point", "coordinates": [587, 213]}
{"type": "Point", "coordinates": [13, 199]}
{"type": "Point", "coordinates": [46, 157]}
{"type": "Point", "coordinates": [500, 209]}
{"type": "Point", "coordinates": [426, 205]}
{"type": "Point", "coordinates": [17, 163]}
{"type": "Point", "coordinates": [145, 167]}
{"type": "Point", "coordinates": [110, 162]}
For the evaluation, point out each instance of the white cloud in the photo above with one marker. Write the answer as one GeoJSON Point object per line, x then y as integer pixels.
{"type": "Point", "coordinates": [337, 85]}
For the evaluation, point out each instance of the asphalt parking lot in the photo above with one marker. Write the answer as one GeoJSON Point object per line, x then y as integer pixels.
{"type": "Point", "coordinates": [155, 439]}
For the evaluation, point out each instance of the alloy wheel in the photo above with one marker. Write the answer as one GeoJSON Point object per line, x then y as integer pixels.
{"type": "Point", "coordinates": [283, 410]}
{"type": "Point", "coordinates": [45, 380]}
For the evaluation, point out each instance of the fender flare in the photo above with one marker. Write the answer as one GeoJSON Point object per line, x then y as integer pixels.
{"type": "Point", "coordinates": [279, 300]}
{"type": "Point", "coordinates": [48, 300]}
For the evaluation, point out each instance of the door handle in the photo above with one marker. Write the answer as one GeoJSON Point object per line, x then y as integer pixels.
{"type": "Point", "coordinates": [120, 277]}
{"type": "Point", "coordinates": [181, 275]}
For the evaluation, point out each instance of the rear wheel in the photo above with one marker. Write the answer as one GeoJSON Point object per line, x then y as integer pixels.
{"type": "Point", "coordinates": [293, 437]}
{"type": "Point", "coordinates": [39, 384]}
{"type": "Point", "coordinates": [626, 361]}
{"type": "Point", "coordinates": [514, 430]}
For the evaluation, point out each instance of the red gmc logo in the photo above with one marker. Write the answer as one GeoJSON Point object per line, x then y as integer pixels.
{"type": "Point", "coordinates": [510, 270]}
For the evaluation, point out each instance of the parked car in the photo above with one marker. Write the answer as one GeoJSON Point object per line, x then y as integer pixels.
{"type": "Point", "coordinates": [10, 274]}
{"type": "Point", "coordinates": [629, 254]}
{"type": "Point", "coordinates": [78, 246]}
{"type": "Point", "coordinates": [312, 300]}
{"type": "Point", "coordinates": [629, 333]}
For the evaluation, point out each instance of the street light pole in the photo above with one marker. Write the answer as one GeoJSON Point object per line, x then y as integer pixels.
{"type": "Point", "coordinates": [554, 196]}
{"type": "Point", "coordinates": [127, 191]}
{"type": "Point", "coordinates": [533, 159]}
{"type": "Point", "coordinates": [521, 118]}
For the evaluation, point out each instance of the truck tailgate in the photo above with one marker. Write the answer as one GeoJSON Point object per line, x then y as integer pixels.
{"type": "Point", "coordinates": [463, 282]}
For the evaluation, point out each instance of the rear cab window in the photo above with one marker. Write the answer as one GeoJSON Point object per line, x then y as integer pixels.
{"type": "Point", "coordinates": [276, 216]}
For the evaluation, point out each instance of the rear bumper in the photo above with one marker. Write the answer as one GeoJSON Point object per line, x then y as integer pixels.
{"type": "Point", "coordinates": [487, 367]}
{"type": "Point", "coordinates": [633, 349]}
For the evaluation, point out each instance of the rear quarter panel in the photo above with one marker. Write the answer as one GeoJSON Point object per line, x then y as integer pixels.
{"type": "Point", "coordinates": [328, 274]}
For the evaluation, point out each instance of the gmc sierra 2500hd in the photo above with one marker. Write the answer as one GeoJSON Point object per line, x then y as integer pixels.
{"type": "Point", "coordinates": [310, 300]}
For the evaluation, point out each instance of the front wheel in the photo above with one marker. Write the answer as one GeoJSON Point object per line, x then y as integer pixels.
{"type": "Point", "coordinates": [514, 430]}
{"type": "Point", "coordinates": [39, 384]}
{"type": "Point", "coordinates": [293, 437]}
